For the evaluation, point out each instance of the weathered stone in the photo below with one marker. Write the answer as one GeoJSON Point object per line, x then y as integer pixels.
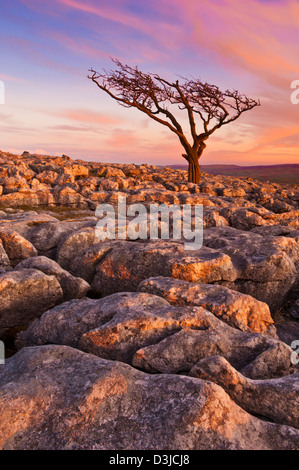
{"type": "Point", "coordinates": [24, 295]}
{"type": "Point", "coordinates": [129, 263]}
{"type": "Point", "coordinates": [265, 270]}
{"type": "Point", "coordinates": [4, 260]}
{"type": "Point", "coordinates": [13, 184]}
{"type": "Point", "coordinates": [16, 246]}
{"type": "Point", "coordinates": [108, 405]}
{"type": "Point", "coordinates": [27, 197]}
{"type": "Point", "coordinates": [73, 244]}
{"type": "Point", "coordinates": [244, 219]}
{"type": "Point", "coordinates": [117, 326]}
{"type": "Point", "coordinates": [66, 196]}
{"type": "Point", "coordinates": [275, 399]}
{"type": "Point", "coordinates": [38, 186]}
{"type": "Point", "coordinates": [251, 354]}
{"type": "Point", "coordinates": [48, 177]}
{"type": "Point", "coordinates": [276, 231]}
{"type": "Point", "coordinates": [239, 310]}
{"type": "Point", "coordinates": [72, 287]}
{"type": "Point", "coordinates": [110, 172]}
{"type": "Point", "coordinates": [288, 218]}
{"type": "Point", "coordinates": [80, 171]}
{"type": "Point", "coordinates": [108, 185]}
{"type": "Point", "coordinates": [213, 219]}
{"type": "Point", "coordinates": [24, 222]}
{"type": "Point", "coordinates": [288, 332]}
{"type": "Point", "coordinates": [231, 192]}
{"type": "Point", "coordinates": [46, 237]}
{"type": "Point", "coordinates": [85, 263]}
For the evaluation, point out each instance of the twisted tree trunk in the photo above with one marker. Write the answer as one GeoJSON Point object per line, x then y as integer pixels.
{"type": "Point", "coordinates": [192, 157]}
{"type": "Point", "coordinates": [193, 170]}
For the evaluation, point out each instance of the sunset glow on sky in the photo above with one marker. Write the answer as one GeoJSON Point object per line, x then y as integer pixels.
{"type": "Point", "coordinates": [52, 108]}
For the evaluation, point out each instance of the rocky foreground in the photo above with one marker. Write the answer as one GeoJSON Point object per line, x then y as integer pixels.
{"type": "Point", "coordinates": [123, 344]}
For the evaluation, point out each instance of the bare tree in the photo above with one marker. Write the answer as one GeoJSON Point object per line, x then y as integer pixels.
{"type": "Point", "coordinates": [152, 94]}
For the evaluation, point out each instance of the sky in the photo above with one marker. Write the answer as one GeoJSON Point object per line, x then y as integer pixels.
{"type": "Point", "coordinates": [47, 48]}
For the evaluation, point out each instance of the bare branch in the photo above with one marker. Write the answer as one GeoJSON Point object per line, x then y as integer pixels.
{"type": "Point", "coordinates": [152, 95]}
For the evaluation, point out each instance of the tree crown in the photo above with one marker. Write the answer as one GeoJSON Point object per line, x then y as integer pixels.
{"type": "Point", "coordinates": [151, 94]}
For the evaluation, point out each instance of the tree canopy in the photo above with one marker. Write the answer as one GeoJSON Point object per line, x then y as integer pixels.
{"type": "Point", "coordinates": [208, 108]}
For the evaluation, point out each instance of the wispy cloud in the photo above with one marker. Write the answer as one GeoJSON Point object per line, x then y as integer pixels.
{"type": "Point", "coordinates": [261, 38]}
{"type": "Point", "coordinates": [10, 78]}
{"type": "Point", "coordinates": [118, 14]}
{"type": "Point", "coordinates": [252, 46]}
{"type": "Point", "coordinates": [84, 116]}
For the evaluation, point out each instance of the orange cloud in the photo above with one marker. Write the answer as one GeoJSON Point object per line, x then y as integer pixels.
{"type": "Point", "coordinates": [84, 115]}
{"type": "Point", "coordinates": [121, 139]}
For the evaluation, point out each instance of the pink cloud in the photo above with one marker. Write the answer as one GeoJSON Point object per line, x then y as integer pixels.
{"type": "Point", "coordinates": [119, 16]}
{"type": "Point", "coordinates": [85, 116]}
{"type": "Point", "coordinates": [262, 39]}
{"type": "Point", "coordinates": [76, 46]}
{"type": "Point", "coordinates": [36, 53]}
{"type": "Point", "coordinates": [248, 36]}
{"type": "Point", "coordinates": [12, 79]}
{"type": "Point", "coordinates": [255, 40]}
{"type": "Point", "coordinates": [161, 33]}
{"type": "Point", "coordinates": [121, 139]}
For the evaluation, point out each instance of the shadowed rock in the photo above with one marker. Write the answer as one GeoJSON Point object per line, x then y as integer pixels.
{"type": "Point", "coordinates": [265, 270]}
{"type": "Point", "coordinates": [288, 331]}
{"type": "Point", "coordinates": [24, 295]}
{"type": "Point", "coordinates": [4, 260]}
{"type": "Point", "coordinates": [46, 237]}
{"type": "Point", "coordinates": [73, 244]}
{"type": "Point", "coordinates": [275, 399]}
{"type": "Point", "coordinates": [254, 355]}
{"type": "Point", "coordinates": [85, 262]}
{"type": "Point", "coordinates": [72, 287]}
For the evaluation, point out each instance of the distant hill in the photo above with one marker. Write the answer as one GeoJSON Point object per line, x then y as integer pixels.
{"type": "Point", "coordinates": [288, 173]}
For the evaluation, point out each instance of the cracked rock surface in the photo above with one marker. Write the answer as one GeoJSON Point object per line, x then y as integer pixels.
{"type": "Point", "coordinates": [56, 397]}
{"type": "Point", "coordinates": [137, 342]}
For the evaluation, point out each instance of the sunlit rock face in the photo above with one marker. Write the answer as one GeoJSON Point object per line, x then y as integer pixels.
{"type": "Point", "coordinates": [62, 398]}
{"type": "Point", "coordinates": [17, 247]}
{"type": "Point", "coordinates": [239, 310]}
{"type": "Point", "coordinates": [146, 331]}
{"type": "Point", "coordinates": [140, 343]}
